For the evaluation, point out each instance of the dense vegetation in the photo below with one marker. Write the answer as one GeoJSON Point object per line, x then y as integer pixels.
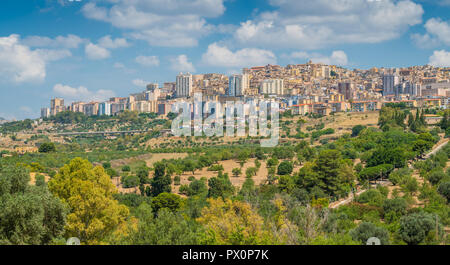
{"type": "Point", "coordinates": [289, 207]}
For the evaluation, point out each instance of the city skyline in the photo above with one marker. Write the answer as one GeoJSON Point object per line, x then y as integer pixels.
{"type": "Point", "coordinates": [82, 50]}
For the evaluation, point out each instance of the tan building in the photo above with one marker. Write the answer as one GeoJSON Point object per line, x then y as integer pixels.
{"type": "Point", "coordinates": [56, 106]}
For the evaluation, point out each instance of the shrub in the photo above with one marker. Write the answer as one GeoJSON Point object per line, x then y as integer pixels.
{"type": "Point", "coordinates": [444, 190]}
{"type": "Point", "coordinates": [367, 230]}
{"type": "Point", "coordinates": [47, 148]}
{"type": "Point", "coordinates": [415, 227]}
{"type": "Point", "coordinates": [285, 168]}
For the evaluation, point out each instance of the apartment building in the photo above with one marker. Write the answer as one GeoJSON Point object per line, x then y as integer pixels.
{"type": "Point", "coordinates": [184, 85]}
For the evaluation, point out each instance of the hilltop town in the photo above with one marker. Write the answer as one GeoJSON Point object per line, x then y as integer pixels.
{"type": "Point", "coordinates": [304, 89]}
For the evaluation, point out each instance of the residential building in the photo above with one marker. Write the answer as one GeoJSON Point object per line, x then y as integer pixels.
{"type": "Point", "coordinates": [56, 106]}
{"type": "Point", "coordinates": [184, 85]}
{"type": "Point", "coordinates": [237, 85]}
{"type": "Point", "coordinates": [45, 112]}
{"type": "Point", "coordinates": [272, 87]}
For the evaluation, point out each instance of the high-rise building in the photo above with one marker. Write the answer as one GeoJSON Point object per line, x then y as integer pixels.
{"type": "Point", "coordinates": [184, 85]}
{"type": "Point", "coordinates": [56, 106]}
{"type": "Point", "coordinates": [45, 112]}
{"type": "Point", "coordinates": [238, 85]}
{"type": "Point", "coordinates": [91, 108]}
{"type": "Point", "coordinates": [272, 87]}
{"type": "Point", "coordinates": [77, 107]}
{"type": "Point", "coordinates": [104, 108]}
{"type": "Point", "coordinates": [347, 89]}
{"type": "Point", "coordinates": [390, 81]}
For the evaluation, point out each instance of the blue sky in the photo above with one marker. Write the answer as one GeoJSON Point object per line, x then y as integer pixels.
{"type": "Point", "coordinates": [94, 49]}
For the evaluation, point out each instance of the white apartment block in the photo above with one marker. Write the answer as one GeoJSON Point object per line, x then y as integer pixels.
{"type": "Point", "coordinates": [45, 112]}
{"type": "Point", "coordinates": [184, 85]}
{"type": "Point", "coordinates": [238, 85]}
{"type": "Point", "coordinates": [272, 87]}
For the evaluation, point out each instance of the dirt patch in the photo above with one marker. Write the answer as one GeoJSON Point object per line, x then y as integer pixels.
{"type": "Point", "coordinates": [33, 178]}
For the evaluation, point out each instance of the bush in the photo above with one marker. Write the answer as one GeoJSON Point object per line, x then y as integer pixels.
{"type": "Point", "coordinates": [166, 200]}
{"type": "Point", "coordinates": [436, 176]}
{"type": "Point", "coordinates": [112, 173]}
{"type": "Point", "coordinates": [216, 167]}
{"type": "Point", "coordinates": [367, 230]}
{"type": "Point", "coordinates": [415, 227]}
{"type": "Point", "coordinates": [444, 190]}
{"type": "Point", "coordinates": [40, 180]}
{"type": "Point", "coordinates": [398, 177]}
{"type": "Point", "coordinates": [285, 168]}
{"type": "Point", "coordinates": [372, 197]}
{"type": "Point", "coordinates": [47, 148]}
{"type": "Point", "coordinates": [131, 182]}
{"type": "Point", "coordinates": [177, 180]}
{"type": "Point", "coordinates": [357, 130]}
{"type": "Point", "coordinates": [394, 208]}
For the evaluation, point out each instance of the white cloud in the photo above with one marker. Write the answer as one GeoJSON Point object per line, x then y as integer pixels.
{"type": "Point", "coordinates": [438, 32]}
{"type": "Point", "coordinates": [182, 64]}
{"type": "Point", "coordinates": [18, 63]}
{"type": "Point", "coordinates": [140, 83]}
{"type": "Point", "coordinates": [320, 23]}
{"type": "Point", "coordinates": [119, 65]}
{"type": "Point", "coordinates": [175, 23]}
{"type": "Point", "coordinates": [96, 52]}
{"type": "Point", "coordinates": [82, 93]}
{"type": "Point", "coordinates": [53, 55]}
{"type": "Point", "coordinates": [336, 58]}
{"type": "Point", "coordinates": [221, 56]}
{"type": "Point", "coordinates": [69, 42]}
{"type": "Point", "coordinates": [440, 59]}
{"type": "Point", "coordinates": [147, 60]}
{"type": "Point", "coordinates": [107, 42]}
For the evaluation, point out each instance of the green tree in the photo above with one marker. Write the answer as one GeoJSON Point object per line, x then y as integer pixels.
{"type": "Point", "coordinates": [220, 186]}
{"type": "Point", "coordinates": [168, 201]}
{"type": "Point", "coordinates": [285, 168]}
{"type": "Point", "coordinates": [28, 214]}
{"type": "Point", "coordinates": [47, 148]}
{"type": "Point", "coordinates": [444, 190]}
{"type": "Point", "coordinates": [367, 230]}
{"type": "Point", "coordinates": [415, 227]}
{"type": "Point", "coordinates": [236, 172]}
{"type": "Point", "coordinates": [88, 192]}
{"type": "Point", "coordinates": [166, 228]}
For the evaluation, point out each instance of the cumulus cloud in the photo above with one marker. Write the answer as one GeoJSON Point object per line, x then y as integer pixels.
{"type": "Point", "coordinates": [147, 60]}
{"type": "Point", "coordinates": [96, 52]}
{"type": "Point", "coordinates": [82, 93]}
{"type": "Point", "coordinates": [140, 83]}
{"type": "Point", "coordinates": [101, 50]}
{"type": "Point", "coordinates": [19, 63]}
{"type": "Point", "coordinates": [182, 64]}
{"type": "Point", "coordinates": [53, 55]}
{"type": "Point", "coordinates": [321, 23]}
{"type": "Point", "coordinates": [336, 57]}
{"type": "Point", "coordinates": [221, 56]}
{"type": "Point", "coordinates": [176, 23]}
{"type": "Point", "coordinates": [438, 32]}
{"type": "Point", "coordinates": [107, 42]}
{"type": "Point", "coordinates": [69, 42]}
{"type": "Point", "coordinates": [440, 59]}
